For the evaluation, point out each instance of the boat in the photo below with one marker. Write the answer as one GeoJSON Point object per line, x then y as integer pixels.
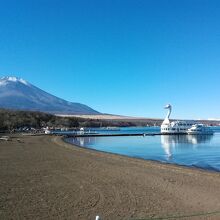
{"type": "Point", "coordinates": [174, 127]}
{"type": "Point", "coordinates": [200, 129]}
{"type": "Point", "coordinates": [47, 130]}
{"type": "Point", "coordinates": [81, 131]}
{"type": "Point", "coordinates": [84, 131]}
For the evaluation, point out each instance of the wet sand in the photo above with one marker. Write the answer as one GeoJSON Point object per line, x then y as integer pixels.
{"type": "Point", "coordinates": [44, 178]}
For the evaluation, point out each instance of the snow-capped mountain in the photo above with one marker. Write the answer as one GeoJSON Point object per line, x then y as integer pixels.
{"type": "Point", "coordinates": [16, 93]}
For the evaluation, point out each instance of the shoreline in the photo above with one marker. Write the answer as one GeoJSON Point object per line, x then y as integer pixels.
{"type": "Point", "coordinates": [212, 170]}
{"type": "Point", "coordinates": [45, 177]}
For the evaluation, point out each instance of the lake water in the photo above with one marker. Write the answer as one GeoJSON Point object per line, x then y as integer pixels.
{"type": "Point", "coordinates": [201, 151]}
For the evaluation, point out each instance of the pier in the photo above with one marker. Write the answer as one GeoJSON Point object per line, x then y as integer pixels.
{"type": "Point", "coordinates": [118, 135]}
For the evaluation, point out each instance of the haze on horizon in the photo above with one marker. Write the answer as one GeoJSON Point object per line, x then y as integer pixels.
{"type": "Point", "coordinates": [121, 57]}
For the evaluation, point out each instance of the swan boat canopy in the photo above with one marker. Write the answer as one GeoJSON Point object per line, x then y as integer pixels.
{"type": "Point", "coordinates": [174, 127]}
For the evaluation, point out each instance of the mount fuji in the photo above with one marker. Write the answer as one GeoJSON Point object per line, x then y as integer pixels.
{"type": "Point", "coordinates": [18, 94]}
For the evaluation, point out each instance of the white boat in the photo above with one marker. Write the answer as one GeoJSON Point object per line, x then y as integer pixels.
{"type": "Point", "coordinates": [84, 131]}
{"type": "Point", "coordinates": [81, 131]}
{"type": "Point", "coordinates": [200, 129]}
{"type": "Point", "coordinates": [47, 132]}
{"type": "Point", "coordinates": [174, 127]}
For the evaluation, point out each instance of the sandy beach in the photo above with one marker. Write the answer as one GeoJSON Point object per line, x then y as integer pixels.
{"type": "Point", "coordinates": [41, 177]}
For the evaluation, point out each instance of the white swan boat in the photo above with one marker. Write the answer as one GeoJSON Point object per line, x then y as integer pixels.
{"type": "Point", "coordinates": [175, 127]}
{"type": "Point", "coordinates": [200, 129]}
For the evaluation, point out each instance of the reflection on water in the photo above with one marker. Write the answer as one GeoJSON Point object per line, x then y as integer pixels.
{"type": "Point", "coordinates": [83, 141]}
{"type": "Point", "coordinates": [168, 142]}
{"type": "Point", "coordinates": [192, 150]}
{"type": "Point", "coordinates": [197, 139]}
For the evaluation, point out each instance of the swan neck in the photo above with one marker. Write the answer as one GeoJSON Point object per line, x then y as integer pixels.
{"type": "Point", "coordinates": [168, 113]}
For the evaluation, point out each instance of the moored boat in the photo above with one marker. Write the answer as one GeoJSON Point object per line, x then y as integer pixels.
{"type": "Point", "coordinates": [200, 129]}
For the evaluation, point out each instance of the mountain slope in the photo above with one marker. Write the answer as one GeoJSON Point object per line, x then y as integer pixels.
{"type": "Point", "coordinates": [16, 93]}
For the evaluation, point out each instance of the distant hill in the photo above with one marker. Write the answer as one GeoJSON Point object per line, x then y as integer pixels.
{"type": "Point", "coordinates": [18, 94]}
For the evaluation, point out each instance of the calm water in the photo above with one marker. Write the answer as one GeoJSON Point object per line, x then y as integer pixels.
{"type": "Point", "coordinates": [191, 150]}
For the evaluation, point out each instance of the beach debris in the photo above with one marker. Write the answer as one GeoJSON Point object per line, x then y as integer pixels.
{"type": "Point", "coordinates": [97, 218]}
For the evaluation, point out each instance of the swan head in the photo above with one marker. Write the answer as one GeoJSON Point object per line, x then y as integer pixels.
{"type": "Point", "coordinates": [168, 106]}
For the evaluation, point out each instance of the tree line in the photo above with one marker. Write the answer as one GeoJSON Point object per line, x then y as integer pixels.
{"type": "Point", "coordinates": [12, 119]}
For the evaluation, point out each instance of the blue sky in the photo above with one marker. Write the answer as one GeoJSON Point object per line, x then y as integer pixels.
{"type": "Point", "coordinates": [128, 57]}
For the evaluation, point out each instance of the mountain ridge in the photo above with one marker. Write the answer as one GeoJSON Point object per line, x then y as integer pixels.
{"type": "Point", "coordinates": [17, 93]}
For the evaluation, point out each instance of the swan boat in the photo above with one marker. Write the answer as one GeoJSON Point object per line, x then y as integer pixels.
{"type": "Point", "coordinates": [174, 127]}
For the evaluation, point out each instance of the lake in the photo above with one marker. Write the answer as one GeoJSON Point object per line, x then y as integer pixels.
{"type": "Point", "coordinates": [201, 151]}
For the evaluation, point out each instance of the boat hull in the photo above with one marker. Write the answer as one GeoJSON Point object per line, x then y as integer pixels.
{"type": "Point", "coordinates": [200, 133]}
